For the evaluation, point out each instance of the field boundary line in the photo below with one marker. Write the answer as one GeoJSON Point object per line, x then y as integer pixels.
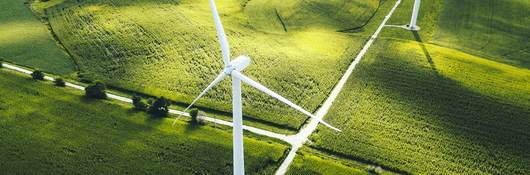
{"type": "Point", "coordinates": [254, 130]}
{"type": "Point", "coordinates": [300, 138]}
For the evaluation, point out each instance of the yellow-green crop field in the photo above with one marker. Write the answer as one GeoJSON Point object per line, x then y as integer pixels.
{"type": "Point", "coordinates": [169, 48]}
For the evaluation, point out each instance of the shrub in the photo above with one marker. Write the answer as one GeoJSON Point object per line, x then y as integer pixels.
{"type": "Point", "coordinates": [59, 82]}
{"type": "Point", "coordinates": [139, 103]}
{"type": "Point", "coordinates": [37, 75]}
{"type": "Point", "coordinates": [96, 90]}
{"type": "Point", "coordinates": [194, 115]}
{"type": "Point", "coordinates": [160, 107]}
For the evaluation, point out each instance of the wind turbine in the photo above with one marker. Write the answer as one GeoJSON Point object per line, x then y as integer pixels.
{"type": "Point", "coordinates": [414, 18]}
{"type": "Point", "coordinates": [233, 68]}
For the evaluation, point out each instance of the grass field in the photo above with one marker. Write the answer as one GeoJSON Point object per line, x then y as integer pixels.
{"type": "Point", "coordinates": [57, 131]}
{"type": "Point", "coordinates": [453, 98]}
{"type": "Point", "coordinates": [170, 48]}
{"type": "Point", "coordinates": [25, 40]}
{"type": "Point", "coordinates": [422, 108]}
{"type": "Point", "coordinates": [495, 30]}
{"type": "Point", "coordinates": [416, 106]}
{"type": "Point", "coordinates": [309, 162]}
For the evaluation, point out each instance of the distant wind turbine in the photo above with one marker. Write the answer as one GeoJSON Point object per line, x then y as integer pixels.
{"type": "Point", "coordinates": [233, 68]}
{"type": "Point", "coordinates": [414, 18]}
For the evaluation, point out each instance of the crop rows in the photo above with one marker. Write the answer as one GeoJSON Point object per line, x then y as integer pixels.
{"type": "Point", "coordinates": [169, 48]}
{"type": "Point", "coordinates": [441, 112]}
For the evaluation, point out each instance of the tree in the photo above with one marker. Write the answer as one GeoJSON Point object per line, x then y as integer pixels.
{"type": "Point", "coordinates": [59, 82]}
{"type": "Point", "coordinates": [194, 114]}
{"type": "Point", "coordinates": [139, 103]}
{"type": "Point", "coordinates": [37, 75]}
{"type": "Point", "coordinates": [96, 90]}
{"type": "Point", "coordinates": [160, 107]}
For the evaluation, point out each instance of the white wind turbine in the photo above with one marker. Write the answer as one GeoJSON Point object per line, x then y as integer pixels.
{"type": "Point", "coordinates": [233, 68]}
{"type": "Point", "coordinates": [414, 18]}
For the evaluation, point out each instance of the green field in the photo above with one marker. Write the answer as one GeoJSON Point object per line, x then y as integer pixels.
{"type": "Point", "coordinates": [495, 30]}
{"type": "Point", "coordinates": [416, 106]}
{"type": "Point", "coordinates": [52, 130]}
{"type": "Point", "coordinates": [440, 111]}
{"type": "Point", "coordinates": [169, 48]}
{"type": "Point", "coordinates": [452, 98]}
{"type": "Point", "coordinates": [25, 40]}
{"type": "Point", "coordinates": [309, 162]}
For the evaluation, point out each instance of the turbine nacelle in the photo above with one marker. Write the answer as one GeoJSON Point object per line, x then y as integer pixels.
{"type": "Point", "coordinates": [239, 64]}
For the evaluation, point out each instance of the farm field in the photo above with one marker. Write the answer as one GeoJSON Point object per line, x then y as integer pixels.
{"type": "Point", "coordinates": [495, 30]}
{"type": "Point", "coordinates": [25, 40]}
{"type": "Point", "coordinates": [451, 98]}
{"type": "Point", "coordinates": [170, 48]}
{"type": "Point", "coordinates": [310, 162]}
{"type": "Point", "coordinates": [45, 129]}
{"type": "Point", "coordinates": [419, 107]}
{"type": "Point", "coordinates": [422, 108]}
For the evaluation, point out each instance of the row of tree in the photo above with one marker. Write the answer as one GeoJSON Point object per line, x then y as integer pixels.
{"type": "Point", "coordinates": [98, 90]}
{"type": "Point", "coordinates": [158, 107]}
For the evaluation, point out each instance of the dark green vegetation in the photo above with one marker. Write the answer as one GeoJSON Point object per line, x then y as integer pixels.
{"type": "Point", "coordinates": [25, 40]}
{"type": "Point", "coordinates": [57, 131]}
{"type": "Point", "coordinates": [59, 82]}
{"type": "Point", "coordinates": [159, 107]}
{"type": "Point", "coordinates": [96, 90]}
{"type": "Point", "coordinates": [169, 48]}
{"type": "Point", "coordinates": [37, 75]}
{"type": "Point", "coordinates": [139, 103]}
{"type": "Point", "coordinates": [416, 107]}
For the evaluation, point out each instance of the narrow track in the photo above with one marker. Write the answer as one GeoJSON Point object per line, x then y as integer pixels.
{"type": "Point", "coordinates": [258, 131]}
{"type": "Point", "coordinates": [300, 138]}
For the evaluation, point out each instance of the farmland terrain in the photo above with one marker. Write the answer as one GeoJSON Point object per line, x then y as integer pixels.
{"type": "Point", "coordinates": [25, 40]}
{"type": "Point", "coordinates": [452, 98]}
{"type": "Point", "coordinates": [45, 129]}
{"type": "Point", "coordinates": [416, 106]}
{"type": "Point", "coordinates": [169, 48]}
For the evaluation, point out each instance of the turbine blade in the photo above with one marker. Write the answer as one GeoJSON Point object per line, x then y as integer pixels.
{"type": "Point", "coordinates": [218, 79]}
{"type": "Point", "coordinates": [279, 97]}
{"type": "Point", "coordinates": [223, 42]}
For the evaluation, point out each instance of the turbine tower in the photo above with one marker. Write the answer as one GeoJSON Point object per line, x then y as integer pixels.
{"type": "Point", "coordinates": [414, 18]}
{"type": "Point", "coordinates": [233, 68]}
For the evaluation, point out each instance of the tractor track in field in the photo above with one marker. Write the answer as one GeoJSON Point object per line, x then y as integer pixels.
{"type": "Point", "coordinates": [297, 140]}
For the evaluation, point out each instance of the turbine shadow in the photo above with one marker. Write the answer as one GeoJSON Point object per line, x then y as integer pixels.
{"type": "Point", "coordinates": [425, 51]}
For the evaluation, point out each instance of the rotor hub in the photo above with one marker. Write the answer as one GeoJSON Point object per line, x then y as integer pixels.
{"type": "Point", "coordinates": [239, 64]}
